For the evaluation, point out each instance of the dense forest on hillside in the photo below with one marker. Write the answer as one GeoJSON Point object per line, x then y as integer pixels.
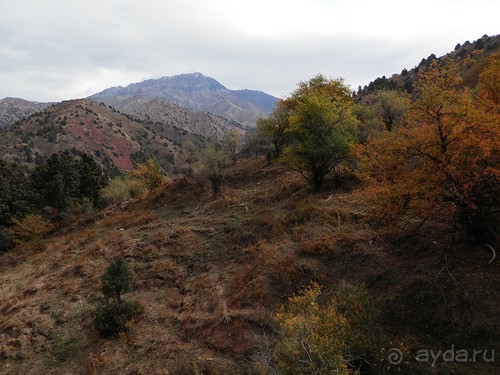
{"type": "Point", "coordinates": [347, 234]}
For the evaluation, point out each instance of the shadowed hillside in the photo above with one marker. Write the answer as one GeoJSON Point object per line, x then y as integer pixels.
{"type": "Point", "coordinates": [211, 272]}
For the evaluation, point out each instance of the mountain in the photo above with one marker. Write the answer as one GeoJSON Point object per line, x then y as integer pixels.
{"type": "Point", "coordinates": [115, 140]}
{"type": "Point", "coordinates": [15, 109]}
{"type": "Point", "coordinates": [196, 92]}
{"type": "Point", "coordinates": [170, 119]}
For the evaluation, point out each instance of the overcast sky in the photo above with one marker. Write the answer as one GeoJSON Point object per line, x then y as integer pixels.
{"type": "Point", "coordinates": [52, 50]}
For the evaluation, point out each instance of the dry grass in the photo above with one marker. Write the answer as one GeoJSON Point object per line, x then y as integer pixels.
{"type": "Point", "coordinates": [210, 273]}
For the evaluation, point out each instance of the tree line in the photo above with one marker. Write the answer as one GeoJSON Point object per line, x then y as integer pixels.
{"type": "Point", "coordinates": [431, 153]}
{"type": "Point", "coordinates": [434, 153]}
{"type": "Point", "coordinates": [62, 181]}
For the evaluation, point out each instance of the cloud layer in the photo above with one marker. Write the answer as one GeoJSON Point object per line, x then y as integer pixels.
{"type": "Point", "coordinates": [53, 50]}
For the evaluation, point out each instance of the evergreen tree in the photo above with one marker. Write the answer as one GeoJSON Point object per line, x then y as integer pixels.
{"type": "Point", "coordinates": [15, 193]}
{"type": "Point", "coordinates": [116, 280]}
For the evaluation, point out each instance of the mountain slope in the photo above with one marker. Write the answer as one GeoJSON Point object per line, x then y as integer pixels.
{"type": "Point", "coordinates": [475, 54]}
{"type": "Point", "coordinates": [211, 273]}
{"type": "Point", "coordinates": [196, 92]}
{"type": "Point", "coordinates": [114, 139]}
{"type": "Point", "coordinates": [170, 119]}
{"type": "Point", "coordinates": [15, 109]}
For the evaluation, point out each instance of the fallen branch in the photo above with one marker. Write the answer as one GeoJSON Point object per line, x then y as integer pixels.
{"type": "Point", "coordinates": [338, 217]}
{"type": "Point", "coordinates": [493, 251]}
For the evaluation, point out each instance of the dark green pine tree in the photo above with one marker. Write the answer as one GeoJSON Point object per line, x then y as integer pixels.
{"type": "Point", "coordinates": [57, 181]}
{"type": "Point", "coordinates": [16, 196]}
{"type": "Point", "coordinates": [116, 280]}
{"type": "Point", "coordinates": [112, 315]}
{"type": "Point", "coordinates": [92, 178]}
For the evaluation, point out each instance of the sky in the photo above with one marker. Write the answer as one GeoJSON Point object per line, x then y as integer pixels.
{"type": "Point", "coordinates": [53, 50]}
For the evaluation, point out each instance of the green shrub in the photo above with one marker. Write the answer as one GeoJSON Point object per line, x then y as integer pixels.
{"type": "Point", "coordinates": [113, 314]}
{"type": "Point", "coordinates": [111, 318]}
{"type": "Point", "coordinates": [5, 241]}
{"type": "Point", "coordinates": [116, 279]}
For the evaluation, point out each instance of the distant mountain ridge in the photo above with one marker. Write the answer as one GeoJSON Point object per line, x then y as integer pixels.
{"type": "Point", "coordinates": [16, 109]}
{"type": "Point", "coordinates": [196, 92]}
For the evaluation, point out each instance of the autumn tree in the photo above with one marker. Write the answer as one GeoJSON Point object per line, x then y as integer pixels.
{"type": "Point", "coordinates": [489, 83]}
{"type": "Point", "coordinates": [274, 127]}
{"type": "Point", "coordinates": [231, 142]}
{"type": "Point", "coordinates": [446, 161]}
{"type": "Point", "coordinates": [321, 127]}
{"type": "Point", "coordinates": [213, 164]}
{"type": "Point", "coordinates": [391, 106]}
{"type": "Point", "coordinates": [149, 173]}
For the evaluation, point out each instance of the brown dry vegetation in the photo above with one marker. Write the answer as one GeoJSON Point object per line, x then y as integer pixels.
{"type": "Point", "coordinates": [211, 272]}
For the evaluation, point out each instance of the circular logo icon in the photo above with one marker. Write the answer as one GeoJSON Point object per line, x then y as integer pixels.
{"type": "Point", "coordinates": [395, 356]}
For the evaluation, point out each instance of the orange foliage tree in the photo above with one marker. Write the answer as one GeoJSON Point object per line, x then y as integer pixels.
{"type": "Point", "coordinates": [445, 161]}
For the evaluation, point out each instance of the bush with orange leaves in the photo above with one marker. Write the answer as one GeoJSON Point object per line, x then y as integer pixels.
{"type": "Point", "coordinates": [31, 229]}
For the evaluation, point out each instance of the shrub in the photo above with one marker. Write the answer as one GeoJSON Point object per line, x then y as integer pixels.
{"type": "Point", "coordinates": [311, 335]}
{"type": "Point", "coordinates": [335, 337]}
{"type": "Point", "coordinates": [214, 163]}
{"type": "Point", "coordinates": [111, 318]}
{"type": "Point", "coordinates": [121, 189]}
{"type": "Point", "coordinates": [116, 280]}
{"type": "Point", "coordinates": [112, 315]}
{"type": "Point", "coordinates": [5, 241]}
{"type": "Point", "coordinates": [150, 173]}
{"type": "Point", "coordinates": [32, 228]}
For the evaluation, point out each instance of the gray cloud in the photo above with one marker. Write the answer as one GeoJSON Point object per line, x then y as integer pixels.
{"type": "Point", "coordinates": [53, 50]}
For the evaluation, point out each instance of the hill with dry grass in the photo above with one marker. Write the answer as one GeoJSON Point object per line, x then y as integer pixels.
{"type": "Point", "coordinates": [115, 140]}
{"type": "Point", "coordinates": [211, 272]}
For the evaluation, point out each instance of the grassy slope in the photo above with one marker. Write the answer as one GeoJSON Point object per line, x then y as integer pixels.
{"type": "Point", "coordinates": [211, 272]}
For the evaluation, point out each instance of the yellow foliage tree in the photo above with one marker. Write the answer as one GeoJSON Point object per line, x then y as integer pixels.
{"type": "Point", "coordinates": [150, 173]}
{"type": "Point", "coordinates": [445, 162]}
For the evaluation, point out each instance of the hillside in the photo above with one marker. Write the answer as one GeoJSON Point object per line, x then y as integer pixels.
{"type": "Point", "coordinates": [15, 109]}
{"type": "Point", "coordinates": [211, 273]}
{"type": "Point", "coordinates": [173, 121]}
{"type": "Point", "coordinates": [478, 51]}
{"type": "Point", "coordinates": [195, 92]}
{"type": "Point", "coordinates": [116, 141]}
